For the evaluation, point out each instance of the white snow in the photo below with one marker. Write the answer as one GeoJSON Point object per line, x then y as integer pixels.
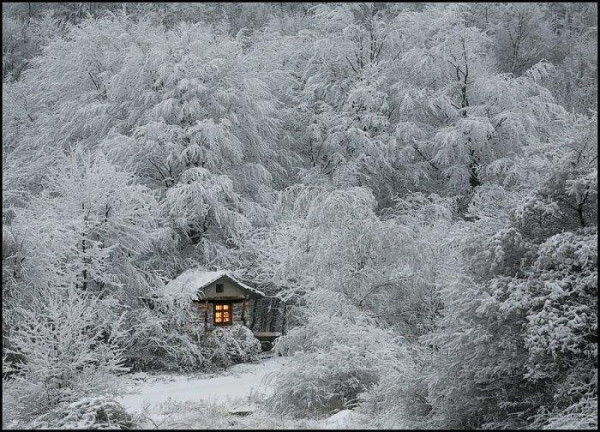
{"type": "Point", "coordinates": [239, 382]}
{"type": "Point", "coordinates": [193, 280]}
{"type": "Point", "coordinates": [219, 401]}
{"type": "Point", "coordinates": [345, 419]}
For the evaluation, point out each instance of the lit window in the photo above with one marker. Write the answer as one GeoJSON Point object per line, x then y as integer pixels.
{"type": "Point", "coordinates": [222, 314]}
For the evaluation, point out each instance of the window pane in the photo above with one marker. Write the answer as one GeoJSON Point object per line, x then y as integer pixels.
{"type": "Point", "coordinates": [217, 314]}
{"type": "Point", "coordinates": [225, 307]}
{"type": "Point", "coordinates": [218, 307]}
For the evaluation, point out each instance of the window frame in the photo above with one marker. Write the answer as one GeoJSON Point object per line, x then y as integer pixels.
{"type": "Point", "coordinates": [221, 286]}
{"type": "Point", "coordinates": [230, 310]}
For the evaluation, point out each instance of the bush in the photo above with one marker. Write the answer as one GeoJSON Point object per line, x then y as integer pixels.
{"type": "Point", "coordinates": [580, 415]}
{"type": "Point", "coordinates": [159, 341]}
{"type": "Point", "coordinates": [320, 383]}
{"type": "Point", "coordinates": [400, 400]}
{"type": "Point", "coordinates": [224, 347]}
{"type": "Point", "coordinates": [66, 351]}
{"type": "Point", "coordinates": [331, 363]}
{"type": "Point", "coordinates": [87, 413]}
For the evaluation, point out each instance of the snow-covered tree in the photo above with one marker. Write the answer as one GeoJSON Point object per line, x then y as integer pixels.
{"type": "Point", "coordinates": [517, 327]}
{"type": "Point", "coordinates": [348, 274]}
{"type": "Point", "coordinates": [62, 350]}
{"type": "Point", "coordinates": [90, 222]}
{"type": "Point", "coordinates": [416, 182]}
{"type": "Point", "coordinates": [176, 107]}
{"type": "Point", "coordinates": [461, 123]}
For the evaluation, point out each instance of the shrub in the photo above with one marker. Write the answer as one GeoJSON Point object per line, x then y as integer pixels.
{"type": "Point", "coordinates": [65, 350]}
{"type": "Point", "coordinates": [320, 383]}
{"type": "Point", "coordinates": [331, 363]}
{"type": "Point", "coordinates": [580, 415]}
{"type": "Point", "coordinates": [224, 347]}
{"type": "Point", "coordinates": [400, 400]}
{"type": "Point", "coordinates": [159, 341]}
{"type": "Point", "coordinates": [87, 413]}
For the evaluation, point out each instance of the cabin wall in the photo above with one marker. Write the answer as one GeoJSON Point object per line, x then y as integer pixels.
{"type": "Point", "coordinates": [197, 322]}
{"type": "Point", "coordinates": [269, 315]}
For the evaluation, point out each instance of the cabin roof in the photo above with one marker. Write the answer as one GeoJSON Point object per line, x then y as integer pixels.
{"type": "Point", "coordinates": [191, 281]}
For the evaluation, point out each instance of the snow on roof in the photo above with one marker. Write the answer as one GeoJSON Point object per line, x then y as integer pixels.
{"type": "Point", "coordinates": [191, 281]}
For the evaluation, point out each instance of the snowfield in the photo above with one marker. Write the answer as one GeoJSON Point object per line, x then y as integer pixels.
{"type": "Point", "coordinates": [225, 400]}
{"type": "Point", "coordinates": [240, 381]}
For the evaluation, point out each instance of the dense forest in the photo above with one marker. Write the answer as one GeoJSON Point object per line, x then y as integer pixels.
{"type": "Point", "coordinates": [415, 183]}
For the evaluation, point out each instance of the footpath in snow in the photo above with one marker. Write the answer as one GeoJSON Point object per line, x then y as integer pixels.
{"type": "Point", "coordinates": [215, 401]}
{"type": "Point", "coordinates": [238, 382]}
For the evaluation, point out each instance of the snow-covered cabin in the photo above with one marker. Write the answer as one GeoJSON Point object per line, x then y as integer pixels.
{"type": "Point", "coordinates": [218, 296]}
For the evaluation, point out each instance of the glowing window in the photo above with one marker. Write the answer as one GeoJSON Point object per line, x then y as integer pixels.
{"type": "Point", "coordinates": [222, 314]}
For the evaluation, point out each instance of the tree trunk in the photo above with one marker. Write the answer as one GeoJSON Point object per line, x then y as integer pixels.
{"type": "Point", "coordinates": [284, 320]}
{"type": "Point", "coordinates": [84, 271]}
{"type": "Point", "coordinates": [473, 167]}
{"type": "Point", "coordinates": [253, 314]}
{"type": "Point", "coordinates": [580, 216]}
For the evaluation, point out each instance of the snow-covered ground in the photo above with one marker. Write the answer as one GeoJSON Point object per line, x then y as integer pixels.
{"type": "Point", "coordinates": [238, 382]}
{"type": "Point", "coordinates": [225, 400]}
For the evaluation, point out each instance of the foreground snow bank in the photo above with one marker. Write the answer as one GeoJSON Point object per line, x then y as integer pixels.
{"type": "Point", "coordinates": [345, 419]}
